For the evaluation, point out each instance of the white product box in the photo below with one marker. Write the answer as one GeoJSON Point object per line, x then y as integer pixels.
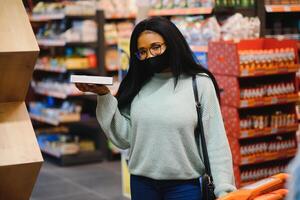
{"type": "Point", "coordinates": [102, 80]}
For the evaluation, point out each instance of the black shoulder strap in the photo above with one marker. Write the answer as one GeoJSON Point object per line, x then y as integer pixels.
{"type": "Point", "coordinates": [200, 130]}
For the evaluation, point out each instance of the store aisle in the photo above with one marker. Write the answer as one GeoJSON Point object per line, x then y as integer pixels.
{"type": "Point", "coordinates": [101, 181]}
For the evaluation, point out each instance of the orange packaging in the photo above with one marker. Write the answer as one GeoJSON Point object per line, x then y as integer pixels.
{"type": "Point", "coordinates": [271, 185]}
{"type": "Point", "coordinates": [275, 195]}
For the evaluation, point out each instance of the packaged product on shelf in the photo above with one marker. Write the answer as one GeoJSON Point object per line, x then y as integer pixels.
{"type": "Point", "coordinates": [81, 31]}
{"type": "Point", "coordinates": [156, 4]}
{"type": "Point", "coordinates": [238, 27]}
{"type": "Point", "coordinates": [180, 3]}
{"type": "Point", "coordinates": [267, 147]}
{"type": "Point", "coordinates": [111, 34]}
{"type": "Point", "coordinates": [43, 8]}
{"type": "Point", "coordinates": [67, 112]}
{"type": "Point", "coordinates": [80, 8]}
{"type": "Point", "coordinates": [235, 3]}
{"type": "Point", "coordinates": [269, 59]}
{"type": "Point", "coordinates": [193, 4]}
{"type": "Point", "coordinates": [112, 60]}
{"type": "Point", "coordinates": [51, 30]}
{"type": "Point", "coordinates": [167, 4]}
{"type": "Point", "coordinates": [276, 120]}
{"type": "Point", "coordinates": [53, 87]}
{"type": "Point", "coordinates": [269, 90]}
{"type": "Point", "coordinates": [259, 173]}
{"type": "Point", "coordinates": [207, 3]}
{"type": "Point", "coordinates": [125, 29]}
{"type": "Point", "coordinates": [87, 145]}
{"type": "Point", "coordinates": [58, 145]}
{"type": "Point", "coordinates": [117, 8]}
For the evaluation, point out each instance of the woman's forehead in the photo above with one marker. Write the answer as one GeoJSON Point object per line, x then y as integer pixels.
{"type": "Point", "coordinates": [147, 37]}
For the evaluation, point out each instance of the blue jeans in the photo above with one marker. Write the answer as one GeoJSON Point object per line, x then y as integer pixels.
{"type": "Point", "coordinates": [143, 188]}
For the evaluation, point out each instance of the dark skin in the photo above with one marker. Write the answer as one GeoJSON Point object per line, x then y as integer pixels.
{"type": "Point", "coordinates": [145, 41]}
{"type": "Point", "coordinates": [94, 88]}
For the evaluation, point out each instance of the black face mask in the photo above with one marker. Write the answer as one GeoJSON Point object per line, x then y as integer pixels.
{"type": "Point", "coordinates": [156, 64]}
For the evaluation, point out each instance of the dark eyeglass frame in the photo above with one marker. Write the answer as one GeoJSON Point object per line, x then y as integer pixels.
{"type": "Point", "coordinates": [159, 45]}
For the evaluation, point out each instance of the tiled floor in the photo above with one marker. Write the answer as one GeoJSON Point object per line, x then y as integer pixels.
{"type": "Point", "coordinates": [101, 181]}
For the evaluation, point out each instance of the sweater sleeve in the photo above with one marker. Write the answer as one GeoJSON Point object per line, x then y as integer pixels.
{"type": "Point", "coordinates": [217, 143]}
{"type": "Point", "coordinates": [116, 125]}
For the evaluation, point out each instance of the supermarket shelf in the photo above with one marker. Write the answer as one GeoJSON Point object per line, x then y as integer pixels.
{"type": "Point", "coordinates": [55, 122]}
{"type": "Point", "coordinates": [86, 44]}
{"type": "Point", "coordinates": [181, 11]}
{"type": "Point", "coordinates": [58, 95]}
{"type": "Point", "coordinates": [282, 8]}
{"type": "Point", "coordinates": [49, 69]}
{"type": "Point", "coordinates": [230, 9]}
{"type": "Point", "coordinates": [247, 73]}
{"type": "Point", "coordinates": [269, 101]}
{"type": "Point", "coordinates": [80, 158]}
{"type": "Point", "coordinates": [121, 16]}
{"type": "Point", "coordinates": [89, 70]}
{"type": "Point", "coordinates": [267, 157]}
{"type": "Point", "coordinates": [44, 119]}
{"type": "Point", "coordinates": [46, 17]}
{"type": "Point", "coordinates": [267, 131]}
{"type": "Point", "coordinates": [54, 129]}
{"type": "Point", "coordinates": [62, 43]}
{"type": "Point", "coordinates": [199, 48]}
{"type": "Point", "coordinates": [80, 16]}
{"type": "Point", "coordinates": [51, 42]}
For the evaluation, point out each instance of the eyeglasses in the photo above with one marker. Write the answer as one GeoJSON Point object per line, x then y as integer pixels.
{"type": "Point", "coordinates": [155, 50]}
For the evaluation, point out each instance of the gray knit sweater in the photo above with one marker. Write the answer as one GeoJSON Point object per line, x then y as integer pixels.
{"type": "Point", "coordinates": [158, 129]}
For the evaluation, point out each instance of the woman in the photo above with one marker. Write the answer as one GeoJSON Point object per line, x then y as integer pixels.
{"type": "Point", "coordinates": [154, 115]}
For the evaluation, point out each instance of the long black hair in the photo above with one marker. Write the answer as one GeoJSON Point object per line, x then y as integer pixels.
{"type": "Point", "coordinates": [181, 59]}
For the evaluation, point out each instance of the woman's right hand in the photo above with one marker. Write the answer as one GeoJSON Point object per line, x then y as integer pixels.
{"type": "Point", "coordinates": [94, 88]}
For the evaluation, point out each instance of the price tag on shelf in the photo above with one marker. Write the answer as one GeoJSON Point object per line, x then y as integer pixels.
{"type": "Point", "coordinates": [274, 100]}
{"type": "Point", "coordinates": [244, 103]}
{"type": "Point", "coordinates": [268, 8]}
{"type": "Point", "coordinates": [245, 161]}
{"type": "Point", "coordinates": [245, 134]}
{"type": "Point", "coordinates": [244, 72]}
{"type": "Point", "coordinates": [287, 8]}
{"type": "Point", "coordinates": [274, 130]}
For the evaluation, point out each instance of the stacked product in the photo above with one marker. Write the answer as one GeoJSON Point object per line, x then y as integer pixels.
{"type": "Point", "coordinates": [235, 3]}
{"type": "Point", "coordinates": [258, 102]}
{"type": "Point", "coordinates": [54, 88]}
{"type": "Point", "coordinates": [267, 60]}
{"type": "Point", "coordinates": [116, 33]}
{"type": "Point", "coordinates": [76, 58]}
{"type": "Point", "coordinates": [169, 4]}
{"type": "Point", "coordinates": [81, 31]}
{"type": "Point", "coordinates": [276, 120]}
{"type": "Point", "coordinates": [67, 112]}
{"type": "Point", "coordinates": [260, 173]}
{"type": "Point", "coordinates": [57, 10]}
{"type": "Point", "coordinates": [116, 8]}
{"type": "Point", "coordinates": [199, 32]}
{"type": "Point", "coordinates": [61, 144]}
